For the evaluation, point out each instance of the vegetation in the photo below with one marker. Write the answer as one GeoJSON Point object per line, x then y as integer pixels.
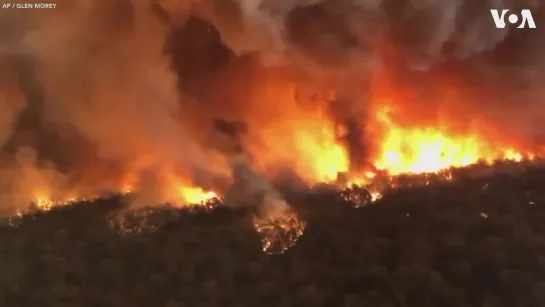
{"type": "Point", "coordinates": [472, 242]}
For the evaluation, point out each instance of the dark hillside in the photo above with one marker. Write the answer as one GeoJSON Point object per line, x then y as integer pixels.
{"type": "Point", "coordinates": [472, 242]}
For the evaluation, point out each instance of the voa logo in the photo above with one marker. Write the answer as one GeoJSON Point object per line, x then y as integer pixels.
{"type": "Point", "coordinates": [526, 19]}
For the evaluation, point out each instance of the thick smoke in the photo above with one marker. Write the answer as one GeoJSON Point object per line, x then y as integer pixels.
{"type": "Point", "coordinates": [97, 75]}
{"type": "Point", "coordinates": [111, 91]}
{"type": "Point", "coordinates": [442, 58]}
{"type": "Point", "coordinates": [11, 103]}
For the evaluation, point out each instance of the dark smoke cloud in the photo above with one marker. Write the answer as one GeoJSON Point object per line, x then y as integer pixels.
{"type": "Point", "coordinates": [423, 32]}
{"type": "Point", "coordinates": [423, 44]}
{"type": "Point", "coordinates": [106, 79]}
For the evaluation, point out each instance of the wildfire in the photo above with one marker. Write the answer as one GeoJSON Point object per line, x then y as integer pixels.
{"type": "Point", "coordinates": [278, 235]}
{"type": "Point", "coordinates": [430, 150]}
{"type": "Point", "coordinates": [310, 144]}
{"type": "Point", "coordinates": [152, 121]}
{"type": "Point", "coordinates": [195, 195]}
{"type": "Point", "coordinates": [401, 150]}
{"type": "Point", "coordinates": [45, 201]}
{"type": "Point", "coordinates": [327, 157]}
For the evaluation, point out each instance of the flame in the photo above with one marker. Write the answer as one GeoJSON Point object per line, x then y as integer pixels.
{"type": "Point", "coordinates": [310, 142]}
{"type": "Point", "coordinates": [195, 195]}
{"type": "Point", "coordinates": [279, 234]}
{"type": "Point", "coordinates": [44, 199]}
{"type": "Point", "coordinates": [307, 140]}
{"type": "Point", "coordinates": [326, 157]}
{"type": "Point", "coordinates": [417, 150]}
{"type": "Point", "coordinates": [296, 132]}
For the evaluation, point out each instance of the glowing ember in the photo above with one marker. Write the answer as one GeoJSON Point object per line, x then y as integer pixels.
{"type": "Point", "coordinates": [13, 220]}
{"type": "Point", "coordinates": [360, 196]}
{"type": "Point", "coordinates": [134, 222]}
{"type": "Point", "coordinates": [46, 203]}
{"type": "Point", "coordinates": [280, 234]}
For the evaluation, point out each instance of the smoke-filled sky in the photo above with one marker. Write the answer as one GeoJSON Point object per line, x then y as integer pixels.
{"type": "Point", "coordinates": [94, 90]}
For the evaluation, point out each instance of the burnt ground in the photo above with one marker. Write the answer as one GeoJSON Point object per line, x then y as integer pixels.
{"type": "Point", "coordinates": [471, 242]}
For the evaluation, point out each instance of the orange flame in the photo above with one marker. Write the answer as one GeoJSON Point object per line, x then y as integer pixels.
{"type": "Point", "coordinates": [195, 195]}
{"type": "Point", "coordinates": [429, 149]}
{"type": "Point", "coordinates": [299, 133]}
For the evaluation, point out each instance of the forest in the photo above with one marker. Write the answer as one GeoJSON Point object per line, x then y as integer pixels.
{"type": "Point", "coordinates": [471, 241]}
